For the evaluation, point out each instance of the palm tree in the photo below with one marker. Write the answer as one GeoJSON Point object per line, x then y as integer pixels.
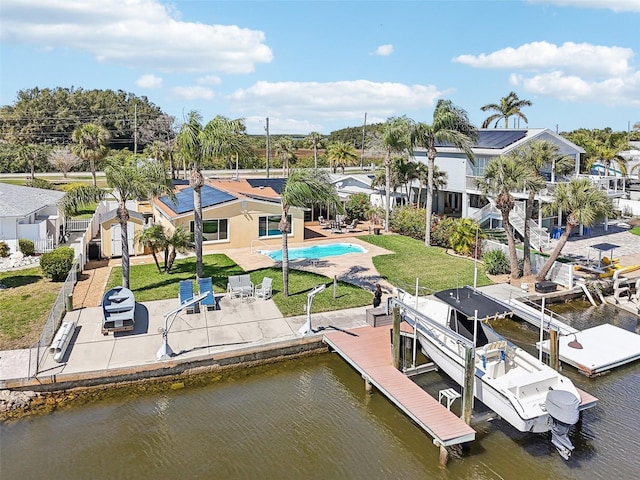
{"type": "Point", "coordinates": [30, 154]}
{"type": "Point", "coordinates": [501, 177]}
{"type": "Point", "coordinates": [583, 203]}
{"type": "Point", "coordinates": [450, 125]}
{"type": "Point", "coordinates": [286, 149]}
{"type": "Point", "coordinates": [341, 154]}
{"type": "Point", "coordinates": [127, 180]}
{"type": "Point", "coordinates": [607, 151]}
{"type": "Point", "coordinates": [178, 241]}
{"type": "Point", "coordinates": [302, 188]}
{"type": "Point", "coordinates": [509, 106]}
{"type": "Point", "coordinates": [440, 178]}
{"type": "Point", "coordinates": [154, 239]}
{"type": "Point", "coordinates": [395, 138]}
{"type": "Point", "coordinates": [225, 138]}
{"type": "Point", "coordinates": [160, 151]}
{"type": "Point", "coordinates": [406, 171]}
{"type": "Point", "coordinates": [314, 140]}
{"type": "Point", "coordinates": [90, 144]}
{"type": "Point", "coordinates": [536, 155]}
{"type": "Point", "coordinates": [190, 143]}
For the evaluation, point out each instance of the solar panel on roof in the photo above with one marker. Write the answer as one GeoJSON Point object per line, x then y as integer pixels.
{"type": "Point", "coordinates": [493, 139]}
{"type": "Point", "coordinates": [276, 184]}
{"type": "Point", "coordinates": [499, 139]}
{"type": "Point", "coordinates": [184, 199]}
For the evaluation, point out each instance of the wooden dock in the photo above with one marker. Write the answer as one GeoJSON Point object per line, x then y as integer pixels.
{"type": "Point", "coordinates": [368, 350]}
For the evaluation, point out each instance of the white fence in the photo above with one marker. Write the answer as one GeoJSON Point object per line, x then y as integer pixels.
{"type": "Point", "coordinates": [44, 245]}
{"type": "Point", "coordinates": [77, 225]}
{"type": "Point", "coordinates": [561, 273]}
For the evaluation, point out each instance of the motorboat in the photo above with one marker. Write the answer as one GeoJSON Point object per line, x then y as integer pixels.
{"type": "Point", "coordinates": [118, 309]}
{"type": "Point", "coordinates": [517, 386]}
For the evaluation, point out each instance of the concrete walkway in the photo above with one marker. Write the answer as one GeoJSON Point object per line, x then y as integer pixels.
{"type": "Point", "coordinates": [238, 326]}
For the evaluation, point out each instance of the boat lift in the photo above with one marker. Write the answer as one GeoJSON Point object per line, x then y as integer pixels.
{"type": "Point", "coordinates": [306, 328]}
{"type": "Point", "coordinates": [165, 352]}
{"type": "Point", "coordinates": [419, 321]}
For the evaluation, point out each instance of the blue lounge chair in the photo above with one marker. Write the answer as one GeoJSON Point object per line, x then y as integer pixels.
{"type": "Point", "coordinates": [186, 293]}
{"type": "Point", "coordinates": [206, 286]}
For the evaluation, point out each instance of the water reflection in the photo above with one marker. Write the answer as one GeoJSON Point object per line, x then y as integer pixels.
{"type": "Point", "coordinates": [311, 418]}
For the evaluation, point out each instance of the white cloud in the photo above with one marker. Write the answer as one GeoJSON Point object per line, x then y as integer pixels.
{"type": "Point", "coordinates": [209, 80]}
{"type": "Point", "coordinates": [612, 91]}
{"type": "Point", "coordinates": [384, 50]}
{"type": "Point", "coordinates": [579, 58]}
{"type": "Point", "coordinates": [345, 100]}
{"type": "Point", "coordinates": [141, 33]}
{"type": "Point", "coordinates": [571, 72]}
{"type": "Point", "coordinates": [615, 5]}
{"type": "Point", "coordinates": [149, 81]}
{"type": "Point", "coordinates": [193, 93]}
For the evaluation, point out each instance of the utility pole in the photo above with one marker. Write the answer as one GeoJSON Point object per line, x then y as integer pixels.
{"type": "Point", "coordinates": [135, 128]}
{"type": "Point", "coordinates": [364, 127]}
{"type": "Point", "coordinates": [268, 147]}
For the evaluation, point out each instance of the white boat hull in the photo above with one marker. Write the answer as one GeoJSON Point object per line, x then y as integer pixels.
{"type": "Point", "coordinates": [484, 392]}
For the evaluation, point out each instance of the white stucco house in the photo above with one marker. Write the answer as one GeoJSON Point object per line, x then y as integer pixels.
{"type": "Point", "coordinates": [32, 214]}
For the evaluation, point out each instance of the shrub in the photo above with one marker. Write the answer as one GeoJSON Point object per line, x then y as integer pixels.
{"type": "Point", "coordinates": [442, 229]}
{"type": "Point", "coordinates": [496, 262]}
{"type": "Point", "coordinates": [357, 206]}
{"type": "Point", "coordinates": [408, 221]}
{"type": "Point", "coordinates": [26, 247]}
{"type": "Point", "coordinates": [41, 183]}
{"type": "Point", "coordinates": [56, 264]}
{"type": "Point", "coordinates": [463, 238]}
{"type": "Point", "coordinates": [4, 249]}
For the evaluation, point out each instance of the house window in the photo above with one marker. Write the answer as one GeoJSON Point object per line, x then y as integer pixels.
{"type": "Point", "coordinates": [268, 226]}
{"type": "Point", "coordinates": [479, 166]}
{"type": "Point", "coordinates": [213, 230]}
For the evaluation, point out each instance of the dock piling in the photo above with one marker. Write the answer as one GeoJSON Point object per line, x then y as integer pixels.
{"type": "Point", "coordinates": [467, 393]}
{"type": "Point", "coordinates": [396, 337]}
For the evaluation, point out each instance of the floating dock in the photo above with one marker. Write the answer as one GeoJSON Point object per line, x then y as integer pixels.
{"type": "Point", "coordinates": [368, 350]}
{"type": "Point", "coordinates": [603, 347]}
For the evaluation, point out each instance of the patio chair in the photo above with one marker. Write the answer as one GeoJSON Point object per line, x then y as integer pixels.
{"type": "Point", "coordinates": [234, 289]}
{"type": "Point", "coordinates": [321, 220]}
{"type": "Point", "coordinates": [185, 293]}
{"type": "Point", "coordinates": [352, 226]}
{"type": "Point", "coordinates": [263, 290]}
{"type": "Point", "coordinates": [246, 286]}
{"type": "Point", "coordinates": [206, 286]}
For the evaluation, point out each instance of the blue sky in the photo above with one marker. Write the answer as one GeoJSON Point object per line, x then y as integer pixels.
{"type": "Point", "coordinates": [321, 65]}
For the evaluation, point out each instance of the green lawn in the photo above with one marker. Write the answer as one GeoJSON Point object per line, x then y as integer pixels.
{"type": "Point", "coordinates": [24, 306]}
{"type": "Point", "coordinates": [635, 230]}
{"type": "Point", "coordinates": [148, 284]}
{"type": "Point", "coordinates": [432, 265]}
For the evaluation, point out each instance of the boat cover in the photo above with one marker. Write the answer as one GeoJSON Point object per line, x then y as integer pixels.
{"type": "Point", "coordinates": [467, 300]}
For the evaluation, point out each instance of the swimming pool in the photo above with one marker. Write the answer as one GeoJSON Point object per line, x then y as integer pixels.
{"type": "Point", "coordinates": [316, 251]}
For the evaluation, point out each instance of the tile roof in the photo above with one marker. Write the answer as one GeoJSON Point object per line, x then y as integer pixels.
{"type": "Point", "coordinates": [19, 201]}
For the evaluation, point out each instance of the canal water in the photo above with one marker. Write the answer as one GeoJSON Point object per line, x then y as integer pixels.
{"type": "Point", "coordinates": [311, 419]}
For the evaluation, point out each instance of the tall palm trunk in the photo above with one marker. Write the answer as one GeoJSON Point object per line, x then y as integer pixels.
{"type": "Point", "coordinates": [284, 228]}
{"type": "Point", "coordinates": [123, 218]}
{"type": "Point", "coordinates": [196, 181]}
{"type": "Point", "coordinates": [92, 164]}
{"type": "Point", "coordinates": [387, 175]}
{"type": "Point", "coordinates": [542, 274]}
{"type": "Point", "coordinates": [526, 244]}
{"type": "Point", "coordinates": [431, 161]}
{"type": "Point", "coordinates": [511, 243]}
